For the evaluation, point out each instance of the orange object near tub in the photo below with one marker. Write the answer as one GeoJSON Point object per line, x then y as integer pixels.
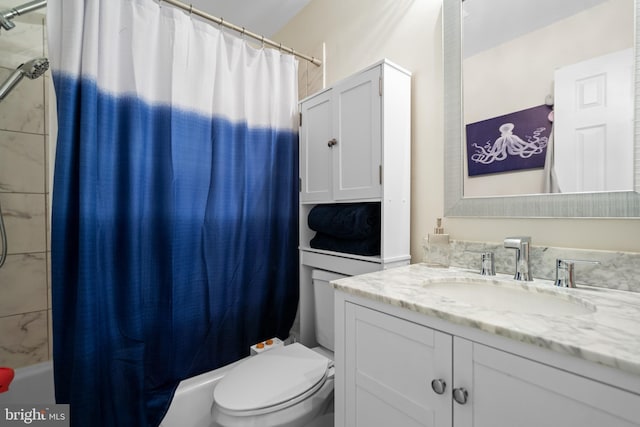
{"type": "Point", "coordinates": [6, 376]}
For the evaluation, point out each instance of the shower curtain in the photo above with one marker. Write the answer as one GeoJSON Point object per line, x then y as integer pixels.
{"type": "Point", "coordinates": [174, 234]}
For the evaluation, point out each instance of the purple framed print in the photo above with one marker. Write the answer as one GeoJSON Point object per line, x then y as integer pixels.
{"type": "Point", "coordinates": [511, 142]}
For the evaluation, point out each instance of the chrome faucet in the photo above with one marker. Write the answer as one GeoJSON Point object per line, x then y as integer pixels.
{"type": "Point", "coordinates": [565, 278]}
{"type": "Point", "coordinates": [523, 265]}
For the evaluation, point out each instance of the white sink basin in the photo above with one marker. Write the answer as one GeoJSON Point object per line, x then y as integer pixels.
{"type": "Point", "coordinates": [509, 296]}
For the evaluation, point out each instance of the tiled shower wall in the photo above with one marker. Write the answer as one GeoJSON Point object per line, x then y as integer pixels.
{"type": "Point", "coordinates": [24, 279]}
{"type": "Point", "coordinates": [311, 77]}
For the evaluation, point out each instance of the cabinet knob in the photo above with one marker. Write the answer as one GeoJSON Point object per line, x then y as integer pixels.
{"type": "Point", "coordinates": [439, 386]}
{"type": "Point", "coordinates": [460, 395]}
{"type": "Point", "coordinates": [332, 142]}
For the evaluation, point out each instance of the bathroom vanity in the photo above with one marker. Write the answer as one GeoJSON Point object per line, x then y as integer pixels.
{"type": "Point", "coordinates": [417, 346]}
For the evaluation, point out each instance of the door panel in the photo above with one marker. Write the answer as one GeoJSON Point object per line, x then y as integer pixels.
{"type": "Point", "coordinates": [509, 390]}
{"type": "Point", "coordinates": [315, 154]}
{"type": "Point", "coordinates": [390, 366]}
{"type": "Point", "coordinates": [593, 128]}
{"type": "Point", "coordinates": [357, 154]}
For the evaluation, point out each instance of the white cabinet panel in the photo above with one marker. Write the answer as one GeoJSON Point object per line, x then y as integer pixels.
{"type": "Point", "coordinates": [508, 390]}
{"type": "Point", "coordinates": [315, 155]}
{"type": "Point", "coordinates": [383, 414]}
{"type": "Point", "coordinates": [390, 364]}
{"type": "Point", "coordinates": [357, 123]}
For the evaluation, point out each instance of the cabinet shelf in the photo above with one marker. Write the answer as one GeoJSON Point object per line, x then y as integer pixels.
{"type": "Point", "coordinates": [373, 259]}
{"type": "Point", "coordinates": [373, 200]}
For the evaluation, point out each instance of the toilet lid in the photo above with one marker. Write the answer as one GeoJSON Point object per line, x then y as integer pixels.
{"type": "Point", "coordinates": [271, 378]}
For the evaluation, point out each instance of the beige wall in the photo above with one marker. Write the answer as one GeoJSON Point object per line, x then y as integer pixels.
{"type": "Point", "coordinates": [360, 32]}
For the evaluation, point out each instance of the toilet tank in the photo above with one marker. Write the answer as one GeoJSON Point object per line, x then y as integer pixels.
{"type": "Point", "coordinates": [323, 306]}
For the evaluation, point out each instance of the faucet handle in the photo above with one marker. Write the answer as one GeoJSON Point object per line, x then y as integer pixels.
{"type": "Point", "coordinates": [565, 277]}
{"type": "Point", "coordinates": [487, 264]}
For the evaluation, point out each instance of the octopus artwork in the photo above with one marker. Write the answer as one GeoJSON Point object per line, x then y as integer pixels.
{"type": "Point", "coordinates": [510, 144]}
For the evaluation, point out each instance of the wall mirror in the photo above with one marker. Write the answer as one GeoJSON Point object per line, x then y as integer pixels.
{"type": "Point", "coordinates": [516, 142]}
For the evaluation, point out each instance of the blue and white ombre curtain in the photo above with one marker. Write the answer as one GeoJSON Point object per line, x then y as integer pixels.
{"type": "Point", "coordinates": [174, 234]}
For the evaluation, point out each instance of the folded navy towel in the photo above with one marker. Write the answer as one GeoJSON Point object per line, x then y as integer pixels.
{"type": "Point", "coordinates": [367, 247]}
{"type": "Point", "coordinates": [347, 220]}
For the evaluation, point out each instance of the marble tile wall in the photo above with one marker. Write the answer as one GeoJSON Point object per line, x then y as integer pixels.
{"type": "Point", "coordinates": [311, 77]}
{"type": "Point", "coordinates": [24, 189]}
{"type": "Point", "coordinates": [616, 270]}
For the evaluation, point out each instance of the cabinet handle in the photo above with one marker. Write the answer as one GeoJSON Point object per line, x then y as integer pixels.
{"type": "Point", "coordinates": [460, 395]}
{"type": "Point", "coordinates": [332, 142]}
{"type": "Point", "coordinates": [439, 386]}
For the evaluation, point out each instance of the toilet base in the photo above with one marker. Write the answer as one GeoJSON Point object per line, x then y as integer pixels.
{"type": "Point", "coordinates": [326, 420]}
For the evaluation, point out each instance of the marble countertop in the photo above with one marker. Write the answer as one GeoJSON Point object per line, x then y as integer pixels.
{"type": "Point", "coordinates": [607, 333]}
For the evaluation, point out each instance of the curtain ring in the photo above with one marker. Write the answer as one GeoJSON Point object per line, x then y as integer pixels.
{"type": "Point", "coordinates": [262, 41]}
{"type": "Point", "coordinates": [243, 31]}
{"type": "Point", "coordinates": [190, 9]}
{"type": "Point", "coordinates": [280, 48]}
{"type": "Point", "coordinates": [221, 23]}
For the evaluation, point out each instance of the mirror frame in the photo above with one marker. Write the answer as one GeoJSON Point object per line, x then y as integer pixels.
{"type": "Point", "coordinates": [621, 204]}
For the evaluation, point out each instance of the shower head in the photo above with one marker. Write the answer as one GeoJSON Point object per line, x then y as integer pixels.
{"type": "Point", "coordinates": [7, 15]}
{"type": "Point", "coordinates": [32, 69]}
{"type": "Point", "coordinates": [35, 68]}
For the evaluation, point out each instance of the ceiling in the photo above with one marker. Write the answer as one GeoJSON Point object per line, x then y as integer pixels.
{"type": "Point", "coordinates": [263, 17]}
{"type": "Point", "coordinates": [488, 23]}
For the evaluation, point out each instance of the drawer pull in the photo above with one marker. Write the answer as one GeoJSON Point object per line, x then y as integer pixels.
{"type": "Point", "coordinates": [460, 395]}
{"type": "Point", "coordinates": [439, 386]}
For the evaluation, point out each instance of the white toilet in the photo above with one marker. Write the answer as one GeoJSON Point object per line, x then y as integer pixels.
{"type": "Point", "coordinates": [289, 386]}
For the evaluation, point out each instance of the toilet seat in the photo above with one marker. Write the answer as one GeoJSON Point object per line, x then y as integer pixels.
{"type": "Point", "coordinates": [272, 381]}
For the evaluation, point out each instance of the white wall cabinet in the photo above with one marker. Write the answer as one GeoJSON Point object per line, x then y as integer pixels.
{"type": "Point", "coordinates": [386, 366]}
{"type": "Point", "coordinates": [355, 146]}
{"type": "Point", "coordinates": [340, 140]}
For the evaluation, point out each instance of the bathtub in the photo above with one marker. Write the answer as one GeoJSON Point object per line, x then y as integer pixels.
{"type": "Point", "coordinates": [190, 407]}
{"type": "Point", "coordinates": [32, 384]}
{"type": "Point", "coordinates": [191, 404]}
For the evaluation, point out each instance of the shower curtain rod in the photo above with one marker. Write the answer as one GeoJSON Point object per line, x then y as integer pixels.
{"type": "Point", "coordinates": [189, 8]}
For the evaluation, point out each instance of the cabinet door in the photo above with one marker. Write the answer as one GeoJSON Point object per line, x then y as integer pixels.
{"type": "Point", "coordinates": [315, 152]}
{"type": "Point", "coordinates": [507, 390]}
{"type": "Point", "coordinates": [357, 123]}
{"type": "Point", "coordinates": [389, 366]}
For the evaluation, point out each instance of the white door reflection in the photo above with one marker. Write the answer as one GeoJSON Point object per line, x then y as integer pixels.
{"type": "Point", "coordinates": [594, 127]}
